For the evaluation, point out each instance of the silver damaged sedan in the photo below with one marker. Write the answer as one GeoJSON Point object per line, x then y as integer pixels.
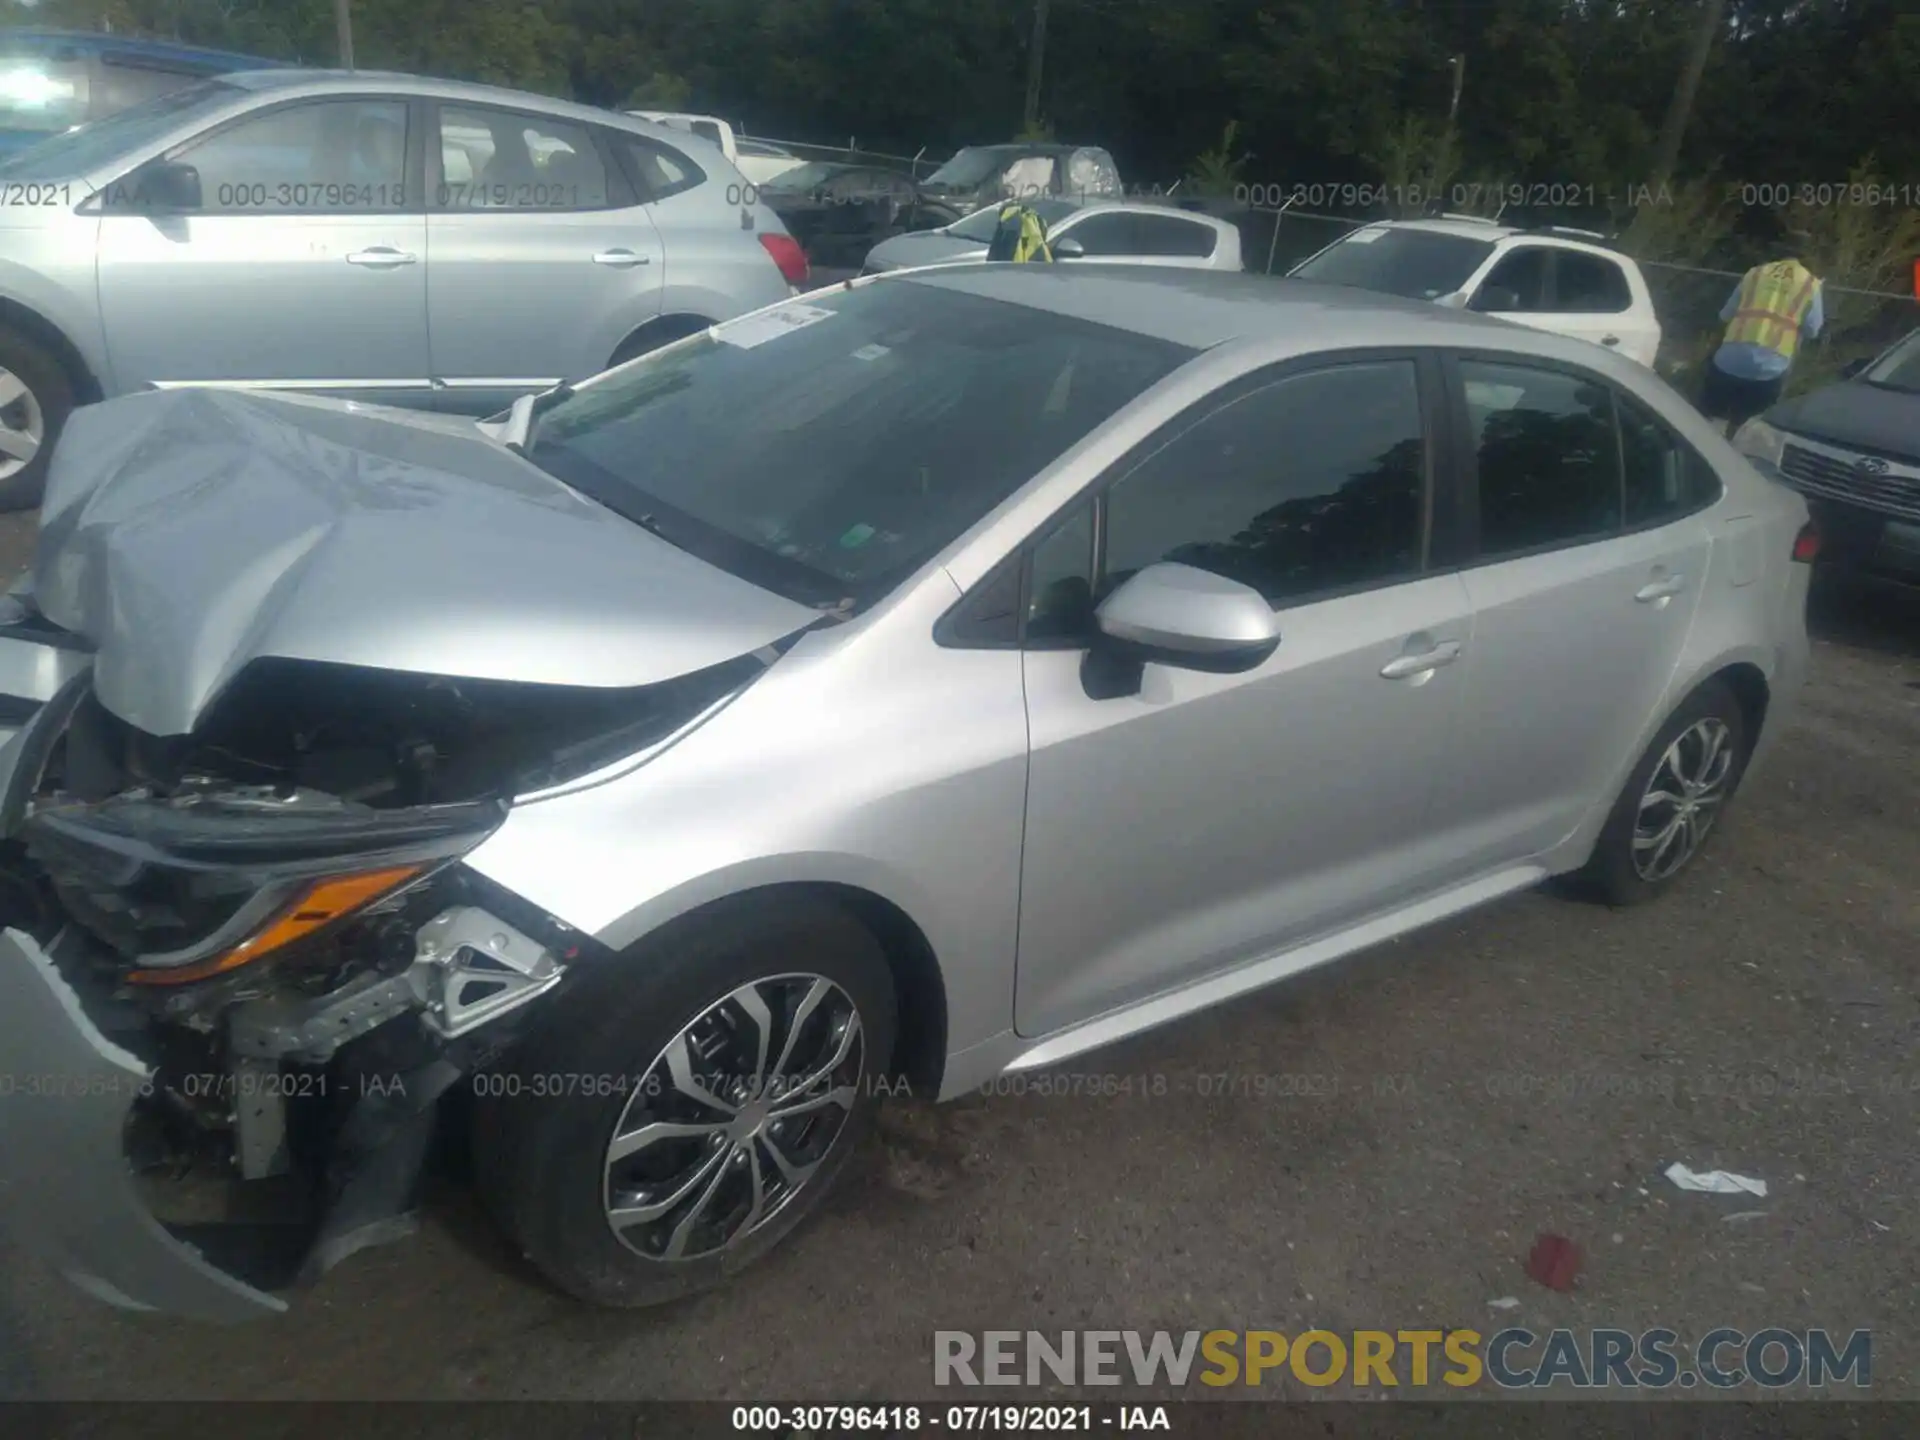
{"type": "Point", "coordinates": [933, 677]}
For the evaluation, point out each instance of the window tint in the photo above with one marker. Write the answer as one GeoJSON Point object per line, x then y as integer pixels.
{"type": "Point", "coordinates": [1110, 234]}
{"type": "Point", "coordinates": [499, 160]}
{"type": "Point", "coordinates": [1164, 235]}
{"type": "Point", "coordinates": [1060, 589]}
{"type": "Point", "coordinates": [708, 131]}
{"type": "Point", "coordinates": [1665, 478]}
{"type": "Point", "coordinates": [1523, 271]}
{"type": "Point", "coordinates": [1310, 484]}
{"type": "Point", "coordinates": [330, 155]}
{"type": "Point", "coordinates": [657, 170]}
{"type": "Point", "coordinates": [1549, 468]}
{"type": "Point", "coordinates": [1589, 284]}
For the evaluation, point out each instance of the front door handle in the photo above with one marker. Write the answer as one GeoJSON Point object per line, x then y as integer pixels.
{"type": "Point", "coordinates": [381, 257]}
{"type": "Point", "coordinates": [619, 259]}
{"type": "Point", "coordinates": [1406, 667]}
{"type": "Point", "coordinates": [1660, 589]}
{"type": "Point", "coordinates": [1610, 340]}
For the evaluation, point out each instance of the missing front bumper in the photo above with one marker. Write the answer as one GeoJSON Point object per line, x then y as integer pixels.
{"type": "Point", "coordinates": [65, 1187]}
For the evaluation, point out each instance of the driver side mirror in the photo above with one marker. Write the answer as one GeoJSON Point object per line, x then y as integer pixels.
{"type": "Point", "coordinates": [1172, 614]}
{"type": "Point", "coordinates": [1067, 249]}
{"type": "Point", "coordinates": [1494, 298]}
{"type": "Point", "coordinates": [1856, 367]}
{"type": "Point", "coordinates": [163, 187]}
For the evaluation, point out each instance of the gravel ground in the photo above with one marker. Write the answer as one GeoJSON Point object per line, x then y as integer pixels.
{"type": "Point", "coordinates": [1762, 1019]}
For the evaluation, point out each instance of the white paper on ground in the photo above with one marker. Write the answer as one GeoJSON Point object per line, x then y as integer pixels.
{"type": "Point", "coordinates": [1715, 1182]}
{"type": "Point", "coordinates": [758, 329]}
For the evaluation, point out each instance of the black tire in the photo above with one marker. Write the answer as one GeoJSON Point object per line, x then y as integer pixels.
{"type": "Point", "coordinates": [1611, 874]}
{"type": "Point", "coordinates": [540, 1159]}
{"type": "Point", "coordinates": [51, 391]}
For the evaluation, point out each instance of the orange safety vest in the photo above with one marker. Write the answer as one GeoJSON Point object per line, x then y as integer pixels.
{"type": "Point", "coordinates": [1773, 300]}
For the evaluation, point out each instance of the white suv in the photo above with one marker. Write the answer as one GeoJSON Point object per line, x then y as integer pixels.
{"type": "Point", "coordinates": [1566, 281]}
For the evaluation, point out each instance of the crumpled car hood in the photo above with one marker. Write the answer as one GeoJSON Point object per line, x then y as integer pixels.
{"type": "Point", "coordinates": [186, 533]}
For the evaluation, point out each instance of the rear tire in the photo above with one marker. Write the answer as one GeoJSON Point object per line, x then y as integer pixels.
{"type": "Point", "coordinates": [36, 397]}
{"type": "Point", "coordinates": [720, 1175]}
{"type": "Point", "coordinates": [1672, 801]}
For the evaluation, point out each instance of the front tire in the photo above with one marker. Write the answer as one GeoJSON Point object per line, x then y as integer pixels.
{"type": "Point", "coordinates": [746, 1048]}
{"type": "Point", "coordinates": [1672, 800]}
{"type": "Point", "coordinates": [36, 397]}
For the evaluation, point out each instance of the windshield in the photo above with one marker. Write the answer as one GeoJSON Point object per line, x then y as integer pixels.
{"type": "Point", "coordinates": [827, 449]}
{"type": "Point", "coordinates": [969, 168]}
{"type": "Point", "coordinates": [100, 142]}
{"type": "Point", "coordinates": [1899, 368]}
{"type": "Point", "coordinates": [1418, 264]}
{"type": "Point", "coordinates": [982, 223]}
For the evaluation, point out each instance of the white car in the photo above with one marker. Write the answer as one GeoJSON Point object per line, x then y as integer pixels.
{"type": "Point", "coordinates": [1124, 232]}
{"type": "Point", "coordinates": [1567, 281]}
{"type": "Point", "coordinates": [756, 160]}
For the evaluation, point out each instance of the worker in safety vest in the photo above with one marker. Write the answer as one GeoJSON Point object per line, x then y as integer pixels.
{"type": "Point", "coordinates": [1771, 309]}
{"type": "Point", "coordinates": [1022, 235]}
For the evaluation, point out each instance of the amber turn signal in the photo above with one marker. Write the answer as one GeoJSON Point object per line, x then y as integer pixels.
{"type": "Point", "coordinates": [318, 903]}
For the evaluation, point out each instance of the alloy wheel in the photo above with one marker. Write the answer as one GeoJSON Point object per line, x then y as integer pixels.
{"type": "Point", "coordinates": [23, 428]}
{"type": "Point", "coordinates": [734, 1117]}
{"type": "Point", "coordinates": [1682, 798]}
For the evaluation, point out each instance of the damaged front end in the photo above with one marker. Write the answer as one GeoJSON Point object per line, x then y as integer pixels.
{"type": "Point", "coordinates": [243, 967]}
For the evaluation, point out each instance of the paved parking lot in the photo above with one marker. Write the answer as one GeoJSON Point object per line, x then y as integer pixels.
{"type": "Point", "coordinates": [1397, 1130]}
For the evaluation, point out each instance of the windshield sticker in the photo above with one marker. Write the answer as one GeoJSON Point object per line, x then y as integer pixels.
{"type": "Point", "coordinates": [755, 330]}
{"type": "Point", "coordinates": [871, 352]}
{"type": "Point", "coordinates": [1364, 237]}
{"type": "Point", "coordinates": [856, 537]}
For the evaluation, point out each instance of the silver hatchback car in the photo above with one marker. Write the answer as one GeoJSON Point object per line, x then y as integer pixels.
{"type": "Point", "coordinates": [371, 236]}
{"type": "Point", "coordinates": [937, 676]}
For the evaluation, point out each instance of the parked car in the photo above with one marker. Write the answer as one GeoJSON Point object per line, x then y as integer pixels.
{"type": "Point", "coordinates": [1853, 449]}
{"type": "Point", "coordinates": [757, 160]}
{"type": "Point", "coordinates": [1567, 281]}
{"type": "Point", "coordinates": [271, 229]}
{"type": "Point", "coordinates": [987, 174]}
{"type": "Point", "coordinates": [878, 689]}
{"type": "Point", "coordinates": [1118, 232]}
{"type": "Point", "coordinates": [839, 212]}
{"type": "Point", "coordinates": [53, 80]}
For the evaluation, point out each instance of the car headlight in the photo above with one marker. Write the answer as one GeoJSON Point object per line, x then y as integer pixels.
{"type": "Point", "coordinates": [1758, 440]}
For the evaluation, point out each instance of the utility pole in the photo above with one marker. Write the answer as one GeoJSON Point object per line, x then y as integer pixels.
{"type": "Point", "coordinates": [1666, 153]}
{"type": "Point", "coordinates": [343, 27]}
{"type": "Point", "coordinates": [1035, 51]}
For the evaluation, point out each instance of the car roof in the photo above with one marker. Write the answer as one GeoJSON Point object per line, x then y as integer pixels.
{"type": "Point", "coordinates": [1473, 229]}
{"type": "Point", "coordinates": [1490, 231]}
{"type": "Point", "coordinates": [39, 38]}
{"type": "Point", "coordinates": [1202, 309]}
{"type": "Point", "coordinates": [1150, 207]}
{"type": "Point", "coordinates": [298, 81]}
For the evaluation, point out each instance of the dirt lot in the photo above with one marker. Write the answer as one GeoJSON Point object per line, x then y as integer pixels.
{"type": "Point", "coordinates": [1763, 1020]}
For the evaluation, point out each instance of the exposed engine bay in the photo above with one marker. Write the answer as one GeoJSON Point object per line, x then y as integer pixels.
{"type": "Point", "coordinates": [270, 912]}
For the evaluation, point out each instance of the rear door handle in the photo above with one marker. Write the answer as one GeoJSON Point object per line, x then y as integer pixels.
{"type": "Point", "coordinates": [380, 257]}
{"type": "Point", "coordinates": [1405, 667]}
{"type": "Point", "coordinates": [1610, 340]}
{"type": "Point", "coordinates": [619, 259]}
{"type": "Point", "coordinates": [1660, 589]}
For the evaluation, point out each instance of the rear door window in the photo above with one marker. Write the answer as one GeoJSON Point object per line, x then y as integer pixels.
{"type": "Point", "coordinates": [1589, 285]}
{"type": "Point", "coordinates": [516, 161]}
{"type": "Point", "coordinates": [1548, 457]}
{"type": "Point", "coordinates": [1168, 235]}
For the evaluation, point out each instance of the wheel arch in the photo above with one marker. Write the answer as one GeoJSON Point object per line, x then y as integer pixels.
{"type": "Point", "coordinates": [42, 331]}
{"type": "Point", "coordinates": [920, 1044]}
{"type": "Point", "coordinates": [658, 331]}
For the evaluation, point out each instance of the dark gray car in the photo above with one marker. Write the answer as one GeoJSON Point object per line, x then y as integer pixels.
{"type": "Point", "coordinates": [1853, 449]}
